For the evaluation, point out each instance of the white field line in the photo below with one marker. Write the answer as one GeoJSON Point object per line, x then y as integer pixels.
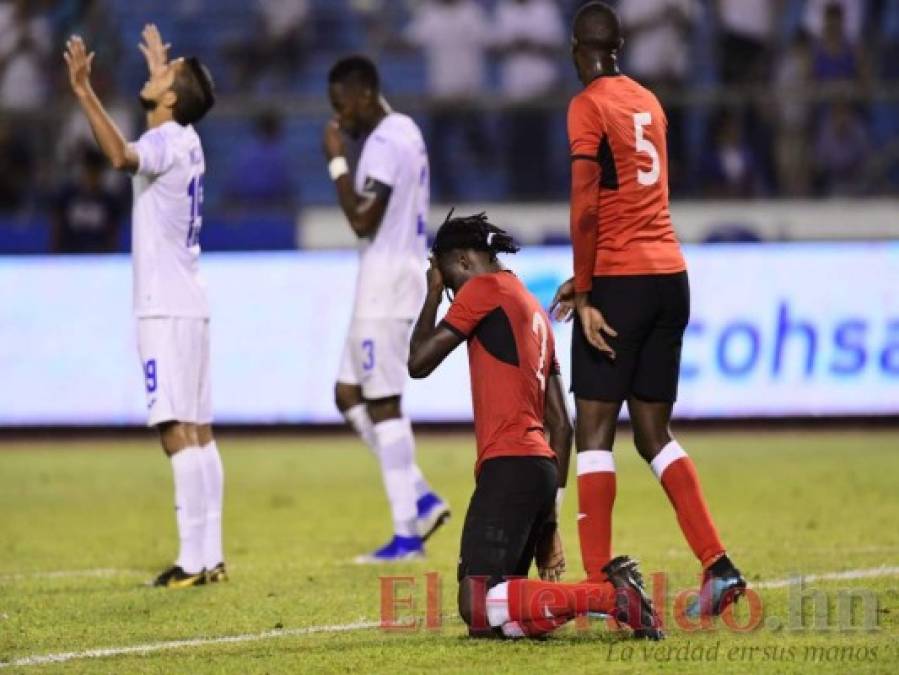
{"type": "Point", "coordinates": [62, 574]}
{"type": "Point", "coordinates": [178, 644]}
{"type": "Point", "coordinates": [148, 648]}
{"type": "Point", "coordinates": [874, 572]}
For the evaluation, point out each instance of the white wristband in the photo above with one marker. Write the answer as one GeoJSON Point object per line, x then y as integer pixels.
{"type": "Point", "coordinates": [560, 496]}
{"type": "Point", "coordinates": [337, 167]}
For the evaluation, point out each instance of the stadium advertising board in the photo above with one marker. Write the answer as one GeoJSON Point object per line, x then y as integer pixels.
{"type": "Point", "coordinates": [776, 330]}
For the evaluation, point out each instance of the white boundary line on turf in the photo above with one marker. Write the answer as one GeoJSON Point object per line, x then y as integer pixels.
{"type": "Point", "coordinates": [178, 644]}
{"type": "Point", "coordinates": [874, 572]}
{"type": "Point", "coordinates": [884, 571]}
{"type": "Point", "coordinates": [63, 574]}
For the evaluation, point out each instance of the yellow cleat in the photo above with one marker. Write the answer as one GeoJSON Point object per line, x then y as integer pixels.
{"type": "Point", "coordinates": [175, 577]}
{"type": "Point", "coordinates": [217, 574]}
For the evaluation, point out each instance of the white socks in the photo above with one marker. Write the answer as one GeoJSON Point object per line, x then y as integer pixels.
{"type": "Point", "coordinates": [420, 483]}
{"type": "Point", "coordinates": [358, 419]}
{"type": "Point", "coordinates": [498, 605]}
{"type": "Point", "coordinates": [190, 507]}
{"type": "Point", "coordinates": [396, 450]}
{"type": "Point", "coordinates": [213, 489]}
{"type": "Point", "coordinates": [199, 481]}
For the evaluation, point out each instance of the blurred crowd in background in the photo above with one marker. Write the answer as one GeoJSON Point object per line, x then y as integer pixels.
{"type": "Point", "coordinates": [765, 98]}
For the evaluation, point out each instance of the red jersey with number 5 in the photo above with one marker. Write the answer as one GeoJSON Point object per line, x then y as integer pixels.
{"type": "Point", "coordinates": [511, 355]}
{"type": "Point", "coordinates": [619, 126]}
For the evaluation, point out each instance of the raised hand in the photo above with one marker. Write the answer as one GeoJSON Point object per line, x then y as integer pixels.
{"type": "Point", "coordinates": [154, 49]}
{"type": "Point", "coordinates": [332, 140]}
{"type": "Point", "coordinates": [79, 62]}
{"type": "Point", "coordinates": [435, 278]}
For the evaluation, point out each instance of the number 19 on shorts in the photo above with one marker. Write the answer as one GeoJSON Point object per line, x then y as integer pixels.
{"type": "Point", "coordinates": [150, 375]}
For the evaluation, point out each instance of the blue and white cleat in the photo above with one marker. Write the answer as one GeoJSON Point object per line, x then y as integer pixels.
{"type": "Point", "coordinates": [722, 585]}
{"type": "Point", "coordinates": [432, 513]}
{"type": "Point", "coordinates": [398, 549]}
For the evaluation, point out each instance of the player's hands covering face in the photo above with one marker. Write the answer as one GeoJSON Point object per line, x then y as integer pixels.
{"type": "Point", "coordinates": [79, 62]}
{"type": "Point", "coordinates": [435, 278]}
{"type": "Point", "coordinates": [550, 555]}
{"type": "Point", "coordinates": [332, 140]}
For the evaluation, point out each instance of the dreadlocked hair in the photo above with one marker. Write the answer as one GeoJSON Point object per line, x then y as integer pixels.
{"type": "Point", "coordinates": [472, 232]}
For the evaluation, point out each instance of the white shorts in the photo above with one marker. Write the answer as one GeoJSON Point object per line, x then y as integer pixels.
{"type": "Point", "coordinates": [174, 354]}
{"type": "Point", "coordinates": [375, 356]}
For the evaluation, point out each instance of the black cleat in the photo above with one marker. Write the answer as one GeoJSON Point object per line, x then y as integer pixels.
{"type": "Point", "coordinates": [175, 577]}
{"type": "Point", "coordinates": [217, 574]}
{"type": "Point", "coordinates": [722, 585]}
{"type": "Point", "coordinates": [633, 606]}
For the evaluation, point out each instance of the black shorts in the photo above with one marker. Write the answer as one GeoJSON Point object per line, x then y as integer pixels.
{"type": "Point", "coordinates": [513, 501]}
{"type": "Point", "coordinates": [650, 313]}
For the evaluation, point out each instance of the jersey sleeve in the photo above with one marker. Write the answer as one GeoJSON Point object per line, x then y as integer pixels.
{"type": "Point", "coordinates": [153, 152]}
{"type": "Point", "coordinates": [476, 299]}
{"type": "Point", "coordinates": [584, 128]}
{"type": "Point", "coordinates": [584, 131]}
{"type": "Point", "coordinates": [380, 161]}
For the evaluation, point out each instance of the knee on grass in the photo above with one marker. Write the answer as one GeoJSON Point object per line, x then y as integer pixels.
{"type": "Point", "coordinates": [473, 603]}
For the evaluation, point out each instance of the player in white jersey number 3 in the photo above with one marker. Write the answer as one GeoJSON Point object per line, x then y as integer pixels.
{"type": "Point", "coordinates": [169, 296]}
{"type": "Point", "coordinates": [386, 207]}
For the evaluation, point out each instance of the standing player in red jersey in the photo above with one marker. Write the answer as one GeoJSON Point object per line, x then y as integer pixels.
{"type": "Point", "coordinates": [518, 399]}
{"type": "Point", "coordinates": [631, 302]}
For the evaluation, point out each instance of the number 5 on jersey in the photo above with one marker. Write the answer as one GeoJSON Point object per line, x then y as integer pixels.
{"type": "Point", "coordinates": [643, 144]}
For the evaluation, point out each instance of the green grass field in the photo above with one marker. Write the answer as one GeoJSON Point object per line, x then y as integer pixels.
{"type": "Point", "coordinates": [84, 524]}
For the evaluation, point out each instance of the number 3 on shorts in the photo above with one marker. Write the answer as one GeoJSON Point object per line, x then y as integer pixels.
{"type": "Point", "coordinates": [368, 346]}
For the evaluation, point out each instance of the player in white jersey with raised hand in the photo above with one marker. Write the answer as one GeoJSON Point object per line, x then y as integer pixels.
{"type": "Point", "coordinates": [170, 302]}
{"type": "Point", "coordinates": [386, 206]}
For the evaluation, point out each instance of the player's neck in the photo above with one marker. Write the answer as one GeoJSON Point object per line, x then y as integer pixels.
{"type": "Point", "coordinates": [489, 268]}
{"type": "Point", "coordinates": [378, 113]}
{"type": "Point", "coordinates": [604, 66]}
{"type": "Point", "coordinates": [158, 117]}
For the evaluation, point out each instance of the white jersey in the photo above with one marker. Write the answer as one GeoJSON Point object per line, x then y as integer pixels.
{"type": "Point", "coordinates": [166, 221]}
{"type": "Point", "coordinates": [391, 280]}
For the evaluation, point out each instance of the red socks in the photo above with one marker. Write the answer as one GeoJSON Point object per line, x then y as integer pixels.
{"type": "Point", "coordinates": [539, 607]}
{"type": "Point", "coordinates": [596, 497]}
{"type": "Point", "coordinates": [678, 476]}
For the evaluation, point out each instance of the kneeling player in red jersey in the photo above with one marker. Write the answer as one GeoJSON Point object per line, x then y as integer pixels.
{"type": "Point", "coordinates": [518, 399]}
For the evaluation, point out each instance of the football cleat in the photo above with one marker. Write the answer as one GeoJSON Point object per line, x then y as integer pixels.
{"type": "Point", "coordinates": [175, 577]}
{"type": "Point", "coordinates": [722, 585]}
{"type": "Point", "coordinates": [432, 513]}
{"type": "Point", "coordinates": [633, 606]}
{"type": "Point", "coordinates": [397, 549]}
{"type": "Point", "coordinates": [217, 574]}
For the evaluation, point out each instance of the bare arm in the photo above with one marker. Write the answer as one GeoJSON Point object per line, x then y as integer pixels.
{"type": "Point", "coordinates": [430, 344]}
{"type": "Point", "coordinates": [557, 423]}
{"type": "Point", "coordinates": [550, 554]}
{"type": "Point", "coordinates": [363, 212]}
{"type": "Point", "coordinates": [108, 136]}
